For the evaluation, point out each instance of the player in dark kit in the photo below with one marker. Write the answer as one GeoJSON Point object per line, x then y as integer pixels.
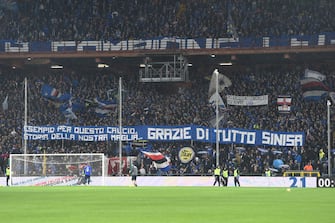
{"type": "Point", "coordinates": [133, 172]}
{"type": "Point", "coordinates": [217, 173]}
{"type": "Point", "coordinates": [7, 176]}
{"type": "Point", "coordinates": [236, 177]}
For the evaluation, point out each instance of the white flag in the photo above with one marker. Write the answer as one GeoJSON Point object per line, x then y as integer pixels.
{"type": "Point", "coordinates": [5, 104]}
{"type": "Point", "coordinates": [216, 97]}
{"type": "Point", "coordinates": [223, 82]}
{"type": "Point", "coordinates": [332, 96]}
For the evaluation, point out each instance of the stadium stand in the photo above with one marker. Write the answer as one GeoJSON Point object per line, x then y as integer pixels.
{"type": "Point", "coordinates": [155, 104]}
{"type": "Point", "coordinates": [113, 20]}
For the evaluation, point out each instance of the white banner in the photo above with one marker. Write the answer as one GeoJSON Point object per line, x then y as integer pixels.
{"type": "Point", "coordinates": [247, 100]}
{"type": "Point", "coordinates": [245, 181]}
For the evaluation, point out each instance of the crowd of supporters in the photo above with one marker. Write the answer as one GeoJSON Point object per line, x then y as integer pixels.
{"type": "Point", "coordinates": [172, 104]}
{"type": "Point", "coordinates": [164, 104]}
{"type": "Point", "coordinates": [42, 20]}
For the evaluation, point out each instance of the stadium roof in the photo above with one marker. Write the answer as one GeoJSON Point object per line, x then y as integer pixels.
{"type": "Point", "coordinates": [130, 60]}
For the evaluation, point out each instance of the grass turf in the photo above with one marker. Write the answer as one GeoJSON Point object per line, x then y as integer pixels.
{"type": "Point", "coordinates": [165, 204]}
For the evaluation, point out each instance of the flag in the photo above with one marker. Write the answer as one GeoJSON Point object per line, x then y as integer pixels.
{"type": "Point", "coordinates": [314, 74]}
{"type": "Point", "coordinates": [105, 104]}
{"type": "Point", "coordinates": [113, 95]}
{"type": "Point", "coordinates": [160, 161]}
{"type": "Point", "coordinates": [223, 82]}
{"type": "Point", "coordinates": [5, 104]}
{"type": "Point", "coordinates": [69, 114]}
{"type": "Point", "coordinates": [90, 103]}
{"type": "Point", "coordinates": [50, 92]}
{"type": "Point", "coordinates": [66, 110]}
{"type": "Point", "coordinates": [284, 103]}
{"type": "Point", "coordinates": [263, 150]}
{"type": "Point", "coordinates": [104, 107]}
{"type": "Point", "coordinates": [140, 143]}
{"type": "Point", "coordinates": [313, 89]}
{"type": "Point", "coordinates": [216, 97]}
{"type": "Point", "coordinates": [101, 112]}
{"type": "Point", "coordinates": [312, 84]}
{"type": "Point", "coordinates": [314, 95]}
{"type": "Point", "coordinates": [332, 96]}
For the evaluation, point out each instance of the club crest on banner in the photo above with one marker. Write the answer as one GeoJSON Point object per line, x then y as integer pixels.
{"type": "Point", "coordinates": [186, 154]}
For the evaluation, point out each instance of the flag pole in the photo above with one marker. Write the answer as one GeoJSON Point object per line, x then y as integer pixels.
{"type": "Point", "coordinates": [25, 122]}
{"type": "Point", "coordinates": [217, 117]}
{"type": "Point", "coordinates": [329, 143]}
{"type": "Point", "coordinates": [120, 125]}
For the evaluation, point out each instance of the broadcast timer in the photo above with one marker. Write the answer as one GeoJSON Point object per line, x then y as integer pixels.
{"type": "Point", "coordinates": [325, 182]}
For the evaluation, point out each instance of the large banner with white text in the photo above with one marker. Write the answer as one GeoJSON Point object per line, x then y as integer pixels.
{"type": "Point", "coordinates": [163, 43]}
{"type": "Point", "coordinates": [163, 133]}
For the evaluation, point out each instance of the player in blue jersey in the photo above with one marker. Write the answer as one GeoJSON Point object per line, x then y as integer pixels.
{"type": "Point", "coordinates": [87, 173]}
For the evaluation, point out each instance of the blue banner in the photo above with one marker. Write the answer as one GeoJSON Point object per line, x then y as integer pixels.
{"type": "Point", "coordinates": [163, 43]}
{"type": "Point", "coordinates": [164, 133]}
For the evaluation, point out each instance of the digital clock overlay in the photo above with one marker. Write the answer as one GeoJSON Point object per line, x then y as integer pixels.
{"type": "Point", "coordinates": [325, 182]}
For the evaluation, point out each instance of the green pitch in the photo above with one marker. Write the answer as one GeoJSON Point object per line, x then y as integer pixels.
{"type": "Point", "coordinates": [165, 204]}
